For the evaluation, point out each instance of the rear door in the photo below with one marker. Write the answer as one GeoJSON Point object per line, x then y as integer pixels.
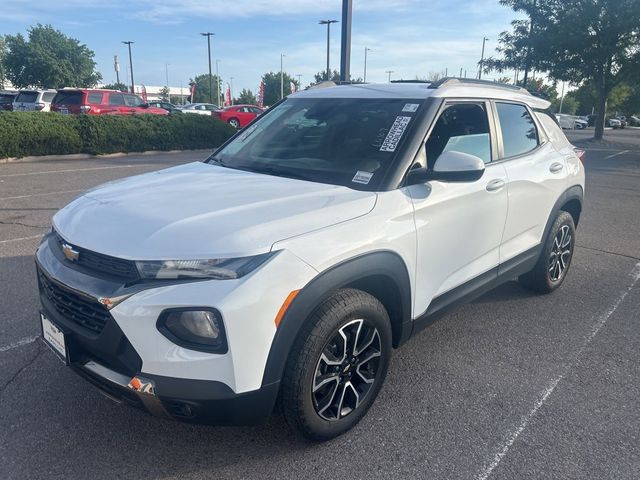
{"type": "Point", "coordinates": [25, 101]}
{"type": "Point", "coordinates": [536, 175]}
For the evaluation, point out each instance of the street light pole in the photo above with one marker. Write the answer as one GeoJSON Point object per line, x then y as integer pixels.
{"type": "Point", "coordinates": [166, 71]}
{"type": "Point", "coordinates": [328, 24]}
{"type": "Point", "coordinates": [208, 35]}
{"type": "Point", "coordinates": [218, 81]}
{"type": "Point", "coordinates": [366, 49]}
{"type": "Point", "coordinates": [484, 41]}
{"type": "Point", "coordinates": [128, 43]}
{"type": "Point", "coordinates": [345, 48]}
{"type": "Point", "coordinates": [299, 75]}
{"type": "Point", "coordinates": [282, 55]}
{"type": "Point", "coordinates": [389, 72]}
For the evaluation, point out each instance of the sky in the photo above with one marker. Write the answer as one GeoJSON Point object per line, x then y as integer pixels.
{"type": "Point", "coordinates": [411, 37]}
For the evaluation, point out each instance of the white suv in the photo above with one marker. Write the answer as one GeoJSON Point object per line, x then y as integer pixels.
{"type": "Point", "coordinates": [290, 263]}
{"type": "Point", "coordinates": [34, 100]}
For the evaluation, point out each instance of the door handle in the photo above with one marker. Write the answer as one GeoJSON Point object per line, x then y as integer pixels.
{"type": "Point", "coordinates": [556, 167]}
{"type": "Point", "coordinates": [495, 185]}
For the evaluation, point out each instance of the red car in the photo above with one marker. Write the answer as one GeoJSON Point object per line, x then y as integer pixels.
{"type": "Point", "coordinates": [238, 116]}
{"type": "Point", "coordinates": [101, 102]}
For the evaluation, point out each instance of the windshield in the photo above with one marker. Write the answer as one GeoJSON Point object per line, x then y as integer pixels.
{"type": "Point", "coordinates": [351, 142]}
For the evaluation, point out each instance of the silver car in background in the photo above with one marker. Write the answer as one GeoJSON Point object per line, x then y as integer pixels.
{"type": "Point", "coordinates": [34, 100]}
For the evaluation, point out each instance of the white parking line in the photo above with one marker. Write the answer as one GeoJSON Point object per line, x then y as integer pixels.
{"type": "Point", "coordinates": [616, 154]}
{"type": "Point", "coordinates": [542, 398]}
{"type": "Point", "coordinates": [48, 172]}
{"type": "Point", "coordinates": [19, 343]}
{"type": "Point", "coordinates": [22, 238]}
{"type": "Point", "coordinates": [42, 194]}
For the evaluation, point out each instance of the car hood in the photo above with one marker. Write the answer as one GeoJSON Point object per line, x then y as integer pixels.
{"type": "Point", "coordinates": [203, 211]}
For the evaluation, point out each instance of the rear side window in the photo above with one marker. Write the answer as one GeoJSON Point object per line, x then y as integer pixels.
{"type": "Point", "coordinates": [461, 128]}
{"type": "Point", "coordinates": [555, 133]}
{"type": "Point", "coordinates": [519, 134]}
{"type": "Point", "coordinates": [95, 98]}
{"type": "Point", "coordinates": [27, 97]}
{"type": "Point", "coordinates": [68, 98]}
{"type": "Point", "coordinates": [48, 96]}
{"type": "Point", "coordinates": [116, 99]}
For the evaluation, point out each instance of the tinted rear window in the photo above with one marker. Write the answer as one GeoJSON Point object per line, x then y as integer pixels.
{"type": "Point", "coordinates": [95, 98]}
{"type": "Point", "coordinates": [4, 99]}
{"type": "Point", "coordinates": [68, 98]}
{"type": "Point", "coordinates": [27, 97]}
{"type": "Point", "coordinates": [116, 99]}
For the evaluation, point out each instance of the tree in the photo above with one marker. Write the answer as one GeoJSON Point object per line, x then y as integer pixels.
{"type": "Point", "coordinates": [49, 59]}
{"type": "Point", "coordinates": [246, 97]}
{"type": "Point", "coordinates": [322, 76]}
{"type": "Point", "coordinates": [272, 86]}
{"type": "Point", "coordinates": [2, 54]}
{"type": "Point", "coordinates": [569, 104]}
{"type": "Point", "coordinates": [121, 87]}
{"type": "Point", "coordinates": [164, 93]}
{"type": "Point", "coordinates": [577, 41]}
{"type": "Point", "coordinates": [202, 88]}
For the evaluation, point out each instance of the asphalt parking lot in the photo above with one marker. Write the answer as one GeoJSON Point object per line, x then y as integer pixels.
{"type": "Point", "coordinates": [512, 386]}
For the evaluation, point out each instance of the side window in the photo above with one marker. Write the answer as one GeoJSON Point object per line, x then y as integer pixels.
{"type": "Point", "coordinates": [462, 128]}
{"type": "Point", "coordinates": [519, 134]}
{"type": "Point", "coordinates": [48, 96]}
{"type": "Point", "coordinates": [132, 100]}
{"type": "Point", "coordinates": [199, 107]}
{"type": "Point", "coordinates": [116, 99]}
{"type": "Point", "coordinates": [95, 98]}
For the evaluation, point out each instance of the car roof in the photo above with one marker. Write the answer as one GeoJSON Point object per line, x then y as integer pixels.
{"type": "Point", "coordinates": [446, 88]}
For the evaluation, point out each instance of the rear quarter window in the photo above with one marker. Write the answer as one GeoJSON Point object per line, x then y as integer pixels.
{"type": "Point", "coordinates": [554, 132]}
{"type": "Point", "coordinates": [96, 98]}
{"type": "Point", "coordinates": [48, 96]}
{"type": "Point", "coordinates": [519, 132]}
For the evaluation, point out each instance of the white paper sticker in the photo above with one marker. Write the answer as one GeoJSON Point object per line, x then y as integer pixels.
{"type": "Point", "coordinates": [395, 134]}
{"type": "Point", "coordinates": [362, 177]}
{"type": "Point", "coordinates": [411, 107]}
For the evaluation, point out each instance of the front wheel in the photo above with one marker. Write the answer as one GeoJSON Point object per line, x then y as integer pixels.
{"type": "Point", "coordinates": [234, 123]}
{"type": "Point", "coordinates": [555, 259]}
{"type": "Point", "coordinates": [337, 365]}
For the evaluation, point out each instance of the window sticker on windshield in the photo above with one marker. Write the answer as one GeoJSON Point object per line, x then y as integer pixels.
{"type": "Point", "coordinates": [395, 134]}
{"type": "Point", "coordinates": [411, 107]}
{"type": "Point", "coordinates": [362, 177]}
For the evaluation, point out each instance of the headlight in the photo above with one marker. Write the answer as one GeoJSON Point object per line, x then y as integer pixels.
{"type": "Point", "coordinates": [194, 328]}
{"type": "Point", "coordinates": [222, 268]}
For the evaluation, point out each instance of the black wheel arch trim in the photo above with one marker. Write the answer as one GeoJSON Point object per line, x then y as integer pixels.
{"type": "Point", "coordinates": [573, 193]}
{"type": "Point", "coordinates": [348, 273]}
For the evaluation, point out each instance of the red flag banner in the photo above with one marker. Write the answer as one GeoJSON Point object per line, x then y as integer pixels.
{"type": "Point", "coordinates": [193, 91]}
{"type": "Point", "coordinates": [227, 96]}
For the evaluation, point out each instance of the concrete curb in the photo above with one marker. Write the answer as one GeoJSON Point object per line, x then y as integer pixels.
{"type": "Point", "coordinates": [87, 156]}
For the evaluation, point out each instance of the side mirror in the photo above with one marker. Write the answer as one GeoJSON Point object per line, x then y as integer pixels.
{"type": "Point", "coordinates": [145, 105]}
{"type": "Point", "coordinates": [452, 166]}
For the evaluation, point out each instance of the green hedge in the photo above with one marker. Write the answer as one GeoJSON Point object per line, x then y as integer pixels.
{"type": "Point", "coordinates": [39, 133]}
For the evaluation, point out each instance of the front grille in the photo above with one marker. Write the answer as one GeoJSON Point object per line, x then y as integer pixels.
{"type": "Point", "coordinates": [105, 264]}
{"type": "Point", "coordinates": [72, 306]}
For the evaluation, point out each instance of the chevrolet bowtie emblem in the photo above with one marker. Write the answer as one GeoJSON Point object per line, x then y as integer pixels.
{"type": "Point", "coordinates": [71, 254]}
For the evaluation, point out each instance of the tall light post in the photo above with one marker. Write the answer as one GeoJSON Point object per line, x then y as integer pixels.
{"type": "Point", "coordinates": [484, 41]}
{"type": "Point", "coordinates": [282, 55]}
{"type": "Point", "coordinates": [299, 75]}
{"type": "Point", "coordinates": [128, 43]}
{"type": "Point", "coordinates": [366, 49]}
{"type": "Point", "coordinates": [218, 81]}
{"type": "Point", "coordinates": [208, 35]}
{"type": "Point", "coordinates": [345, 41]}
{"type": "Point", "coordinates": [389, 72]}
{"type": "Point", "coordinates": [166, 72]}
{"type": "Point", "coordinates": [328, 24]}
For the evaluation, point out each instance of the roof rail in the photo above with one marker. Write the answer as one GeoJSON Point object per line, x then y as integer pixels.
{"type": "Point", "coordinates": [447, 81]}
{"type": "Point", "coordinates": [411, 81]}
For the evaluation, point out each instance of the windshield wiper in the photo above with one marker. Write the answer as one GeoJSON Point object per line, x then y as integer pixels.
{"type": "Point", "coordinates": [279, 172]}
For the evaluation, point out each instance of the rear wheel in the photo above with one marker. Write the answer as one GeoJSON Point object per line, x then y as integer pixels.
{"type": "Point", "coordinates": [234, 123]}
{"type": "Point", "coordinates": [555, 259]}
{"type": "Point", "coordinates": [337, 366]}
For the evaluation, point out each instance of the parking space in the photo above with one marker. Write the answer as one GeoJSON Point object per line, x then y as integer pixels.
{"type": "Point", "coordinates": [513, 385]}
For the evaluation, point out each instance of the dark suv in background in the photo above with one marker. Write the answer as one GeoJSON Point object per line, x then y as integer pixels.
{"type": "Point", "coordinates": [101, 102]}
{"type": "Point", "coordinates": [6, 100]}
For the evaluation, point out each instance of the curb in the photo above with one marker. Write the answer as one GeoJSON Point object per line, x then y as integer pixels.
{"type": "Point", "coordinates": [87, 156]}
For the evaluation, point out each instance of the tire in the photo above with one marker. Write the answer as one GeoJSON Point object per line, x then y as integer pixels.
{"type": "Point", "coordinates": [554, 262]}
{"type": "Point", "coordinates": [346, 379]}
{"type": "Point", "coordinates": [234, 123]}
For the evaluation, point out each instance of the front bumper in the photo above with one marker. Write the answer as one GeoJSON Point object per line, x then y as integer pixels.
{"type": "Point", "coordinates": [185, 385]}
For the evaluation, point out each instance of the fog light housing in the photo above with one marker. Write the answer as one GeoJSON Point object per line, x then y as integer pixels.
{"type": "Point", "coordinates": [196, 328]}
